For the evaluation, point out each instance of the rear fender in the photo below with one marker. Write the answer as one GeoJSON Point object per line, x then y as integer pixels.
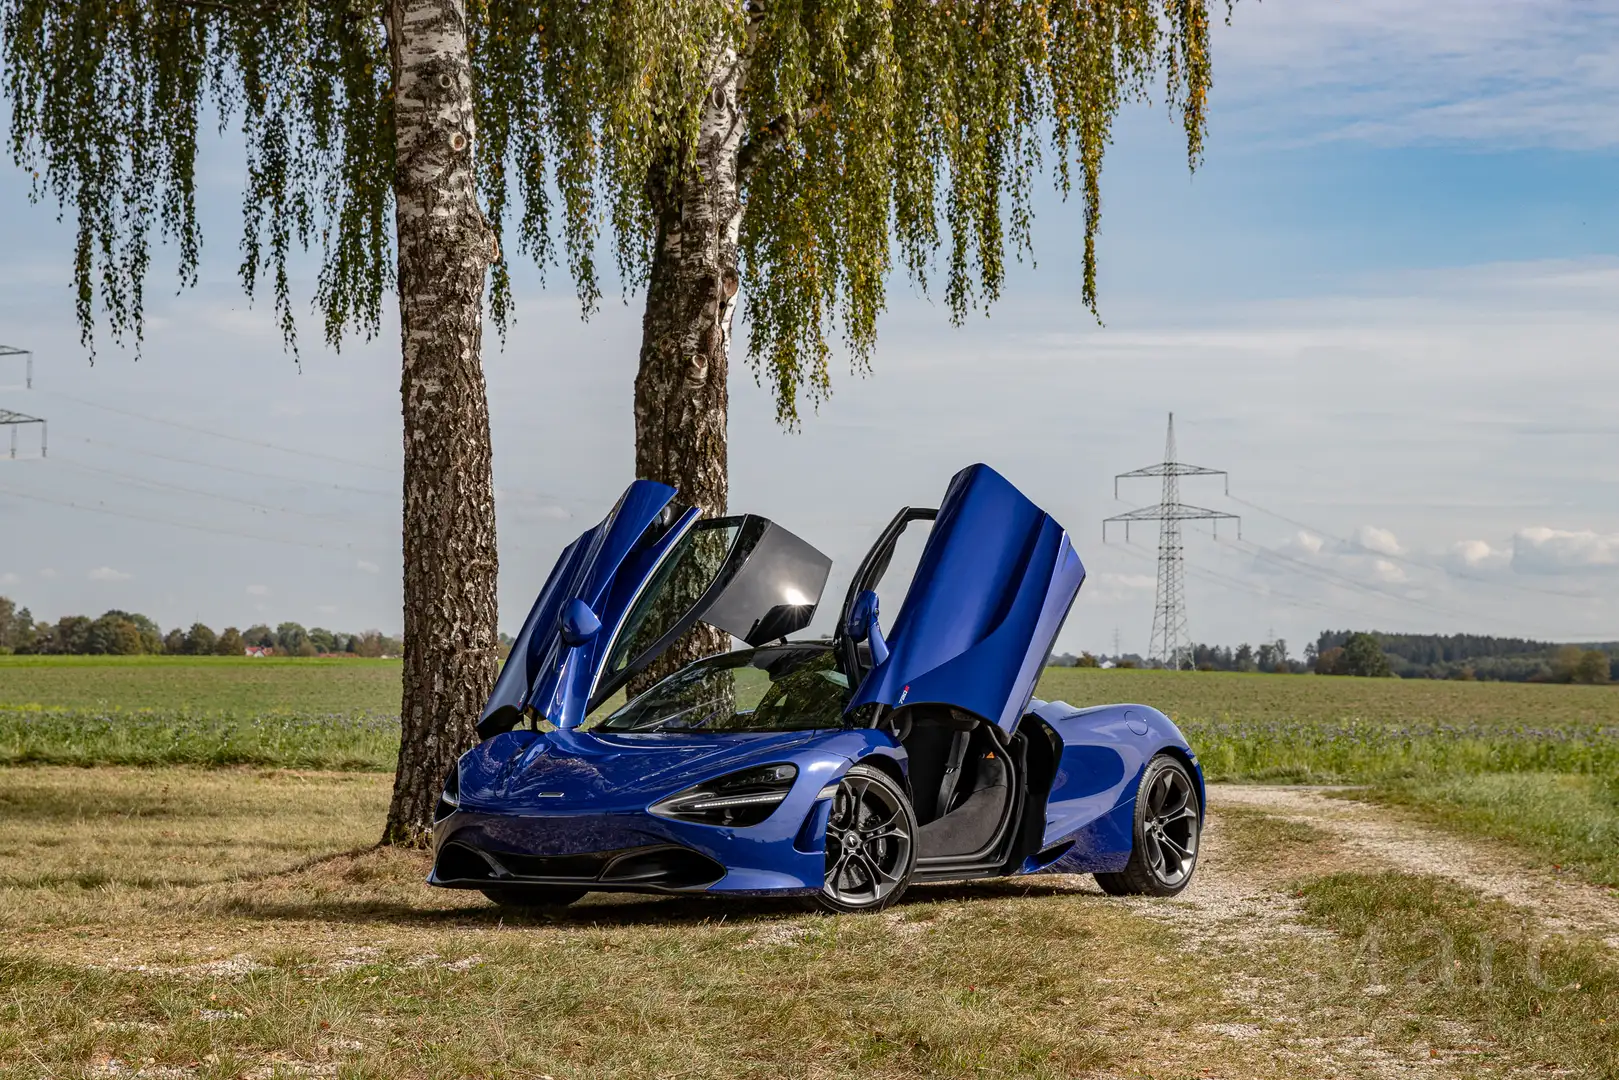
{"type": "Point", "coordinates": [1090, 811]}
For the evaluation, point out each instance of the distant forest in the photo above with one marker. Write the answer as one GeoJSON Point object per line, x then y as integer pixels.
{"type": "Point", "coordinates": [1478, 656]}
{"type": "Point", "coordinates": [1408, 656]}
{"type": "Point", "coordinates": [128, 633]}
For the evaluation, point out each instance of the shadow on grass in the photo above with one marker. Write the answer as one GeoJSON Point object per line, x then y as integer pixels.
{"type": "Point", "coordinates": [612, 909]}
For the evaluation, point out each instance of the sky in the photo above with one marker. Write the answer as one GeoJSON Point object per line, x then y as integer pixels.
{"type": "Point", "coordinates": [1387, 303]}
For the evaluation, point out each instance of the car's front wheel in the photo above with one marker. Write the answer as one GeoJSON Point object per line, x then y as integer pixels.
{"type": "Point", "coordinates": [870, 843]}
{"type": "Point", "coordinates": [1169, 819]}
{"type": "Point", "coordinates": [534, 896]}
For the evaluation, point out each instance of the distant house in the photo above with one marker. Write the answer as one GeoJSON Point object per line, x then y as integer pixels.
{"type": "Point", "coordinates": [257, 650]}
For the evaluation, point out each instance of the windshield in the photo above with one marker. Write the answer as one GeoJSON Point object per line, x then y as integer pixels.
{"type": "Point", "coordinates": [780, 688]}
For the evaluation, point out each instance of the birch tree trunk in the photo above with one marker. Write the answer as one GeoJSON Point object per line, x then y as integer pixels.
{"type": "Point", "coordinates": [681, 396]}
{"type": "Point", "coordinates": [445, 248]}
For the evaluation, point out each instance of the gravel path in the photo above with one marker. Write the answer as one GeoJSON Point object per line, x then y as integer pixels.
{"type": "Point", "coordinates": [1237, 915]}
{"type": "Point", "coordinates": [1561, 904]}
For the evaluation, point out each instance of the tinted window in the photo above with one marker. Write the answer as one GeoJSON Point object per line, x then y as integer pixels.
{"type": "Point", "coordinates": [786, 688]}
{"type": "Point", "coordinates": [681, 579]}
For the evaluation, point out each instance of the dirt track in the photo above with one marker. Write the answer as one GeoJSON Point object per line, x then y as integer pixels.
{"type": "Point", "coordinates": [1561, 904]}
{"type": "Point", "coordinates": [1241, 916]}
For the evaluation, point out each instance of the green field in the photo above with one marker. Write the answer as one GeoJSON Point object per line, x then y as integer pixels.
{"type": "Point", "coordinates": [210, 923]}
{"type": "Point", "coordinates": [1530, 763]}
{"type": "Point", "coordinates": [221, 684]}
{"type": "Point", "coordinates": [1537, 764]}
{"type": "Point", "coordinates": [85, 710]}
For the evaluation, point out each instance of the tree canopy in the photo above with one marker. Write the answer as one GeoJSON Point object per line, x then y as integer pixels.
{"type": "Point", "coordinates": [906, 127]}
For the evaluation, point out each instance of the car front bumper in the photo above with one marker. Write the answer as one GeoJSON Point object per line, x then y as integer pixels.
{"type": "Point", "coordinates": [631, 852]}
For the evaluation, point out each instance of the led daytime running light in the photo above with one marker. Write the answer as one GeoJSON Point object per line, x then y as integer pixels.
{"type": "Point", "coordinates": [742, 798]}
{"type": "Point", "coordinates": [762, 798]}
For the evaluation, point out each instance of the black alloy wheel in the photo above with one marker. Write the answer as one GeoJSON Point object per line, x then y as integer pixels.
{"type": "Point", "coordinates": [870, 843]}
{"type": "Point", "coordinates": [1169, 821]}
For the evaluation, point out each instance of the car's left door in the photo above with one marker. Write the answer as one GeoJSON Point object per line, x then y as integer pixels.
{"type": "Point", "coordinates": [645, 575]}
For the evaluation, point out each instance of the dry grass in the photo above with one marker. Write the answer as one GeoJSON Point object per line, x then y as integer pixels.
{"type": "Point", "coordinates": [150, 828]}
{"type": "Point", "coordinates": [190, 923]}
{"type": "Point", "coordinates": [1352, 963]}
{"type": "Point", "coordinates": [175, 922]}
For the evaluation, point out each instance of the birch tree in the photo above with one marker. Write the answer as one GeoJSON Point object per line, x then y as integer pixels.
{"type": "Point", "coordinates": [774, 155]}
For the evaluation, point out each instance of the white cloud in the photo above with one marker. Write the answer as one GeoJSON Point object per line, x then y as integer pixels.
{"type": "Point", "coordinates": [1387, 571]}
{"type": "Point", "coordinates": [107, 573]}
{"type": "Point", "coordinates": [327, 609]}
{"type": "Point", "coordinates": [1372, 538]}
{"type": "Point", "coordinates": [368, 566]}
{"type": "Point", "coordinates": [1476, 555]}
{"type": "Point", "coordinates": [258, 590]}
{"type": "Point", "coordinates": [48, 574]}
{"type": "Point", "coordinates": [1393, 72]}
{"type": "Point", "coordinates": [1542, 550]}
{"type": "Point", "coordinates": [1307, 542]}
{"type": "Point", "coordinates": [8, 578]}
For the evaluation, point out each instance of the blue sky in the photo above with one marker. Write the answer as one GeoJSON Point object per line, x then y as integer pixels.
{"type": "Point", "coordinates": [1387, 302]}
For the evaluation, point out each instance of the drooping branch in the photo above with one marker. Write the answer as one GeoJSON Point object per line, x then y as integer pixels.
{"type": "Point", "coordinates": [912, 132]}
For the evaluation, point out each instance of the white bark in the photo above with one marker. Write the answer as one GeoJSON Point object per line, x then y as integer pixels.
{"type": "Point", "coordinates": [445, 248]}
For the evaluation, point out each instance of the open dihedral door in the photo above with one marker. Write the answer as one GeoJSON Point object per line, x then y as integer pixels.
{"type": "Point", "coordinates": [991, 590]}
{"type": "Point", "coordinates": [646, 574]}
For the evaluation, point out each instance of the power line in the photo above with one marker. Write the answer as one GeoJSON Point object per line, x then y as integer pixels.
{"type": "Point", "coordinates": [210, 495]}
{"type": "Point", "coordinates": [299, 481]}
{"type": "Point", "coordinates": [1226, 581]}
{"type": "Point", "coordinates": [155, 520]}
{"type": "Point", "coordinates": [16, 421]}
{"type": "Point", "coordinates": [1170, 642]}
{"type": "Point", "coordinates": [279, 448]}
{"type": "Point", "coordinates": [1419, 564]}
{"type": "Point", "coordinates": [1335, 577]}
{"type": "Point", "coordinates": [12, 350]}
{"type": "Point", "coordinates": [260, 443]}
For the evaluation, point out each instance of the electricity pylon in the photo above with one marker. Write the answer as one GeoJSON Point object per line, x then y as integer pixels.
{"type": "Point", "coordinates": [16, 420]}
{"type": "Point", "coordinates": [1170, 644]}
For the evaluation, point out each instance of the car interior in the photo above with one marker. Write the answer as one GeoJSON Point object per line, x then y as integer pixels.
{"type": "Point", "coordinates": [961, 784]}
{"type": "Point", "coordinates": [964, 786]}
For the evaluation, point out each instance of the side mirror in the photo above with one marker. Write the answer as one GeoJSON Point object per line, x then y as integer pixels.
{"type": "Point", "coordinates": [862, 626]}
{"type": "Point", "coordinates": [579, 623]}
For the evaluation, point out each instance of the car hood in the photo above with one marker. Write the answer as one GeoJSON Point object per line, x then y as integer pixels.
{"type": "Point", "coordinates": [564, 770]}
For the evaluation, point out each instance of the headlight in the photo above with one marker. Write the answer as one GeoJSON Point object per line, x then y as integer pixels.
{"type": "Point", "coordinates": [740, 799]}
{"type": "Point", "coordinates": [449, 799]}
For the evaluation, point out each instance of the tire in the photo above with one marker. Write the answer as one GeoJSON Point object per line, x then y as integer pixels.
{"type": "Point", "coordinates": [1168, 826]}
{"type": "Point", "coordinates": [870, 843]}
{"type": "Point", "coordinates": [533, 897]}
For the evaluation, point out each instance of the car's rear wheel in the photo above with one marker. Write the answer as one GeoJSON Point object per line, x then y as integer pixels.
{"type": "Point", "coordinates": [1169, 819]}
{"type": "Point", "coordinates": [534, 896]}
{"type": "Point", "coordinates": [870, 843]}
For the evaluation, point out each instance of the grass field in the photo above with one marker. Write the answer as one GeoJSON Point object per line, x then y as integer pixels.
{"type": "Point", "coordinates": [1535, 764]}
{"type": "Point", "coordinates": [216, 684]}
{"type": "Point", "coordinates": [204, 924]}
{"type": "Point", "coordinates": [198, 923]}
{"type": "Point", "coordinates": [72, 710]}
{"type": "Point", "coordinates": [176, 923]}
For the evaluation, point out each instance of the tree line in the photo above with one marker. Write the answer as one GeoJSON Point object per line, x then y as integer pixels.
{"type": "Point", "coordinates": [1473, 656]}
{"type": "Point", "coordinates": [128, 633]}
{"type": "Point", "coordinates": [1371, 654]}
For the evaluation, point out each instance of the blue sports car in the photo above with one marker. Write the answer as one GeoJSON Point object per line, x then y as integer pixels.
{"type": "Point", "coordinates": [841, 769]}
